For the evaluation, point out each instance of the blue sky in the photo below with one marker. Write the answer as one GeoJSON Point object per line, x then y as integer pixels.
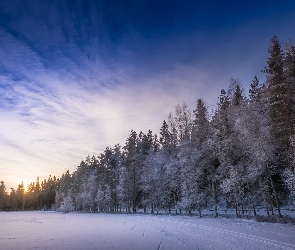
{"type": "Point", "coordinates": [77, 76]}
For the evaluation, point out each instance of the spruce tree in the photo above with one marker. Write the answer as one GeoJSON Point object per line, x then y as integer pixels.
{"type": "Point", "coordinates": [289, 71]}
{"type": "Point", "coordinates": [164, 134]}
{"type": "Point", "coordinates": [132, 166]}
{"type": "Point", "coordinates": [278, 103]}
{"type": "Point", "coordinates": [200, 128]}
{"type": "Point", "coordinates": [255, 90]}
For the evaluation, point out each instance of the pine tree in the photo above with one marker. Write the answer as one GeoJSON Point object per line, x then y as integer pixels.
{"type": "Point", "coordinates": [131, 161]}
{"type": "Point", "coordinates": [255, 90]}
{"type": "Point", "coordinates": [200, 128]}
{"type": "Point", "coordinates": [278, 103]}
{"type": "Point", "coordinates": [20, 191]}
{"type": "Point", "coordinates": [113, 160]}
{"type": "Point", "coordinates": [194, 185]}
{"type": "Point", "coordinates": [289, 66]}
{"type": "Point", "coordinates": [3, 196]}
{"type": "Point", "coordinates": [164, 134]}
{"type": "Point", "coordinates": [235, 92]}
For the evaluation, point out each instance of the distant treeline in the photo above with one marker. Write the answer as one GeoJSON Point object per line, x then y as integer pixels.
{"type": "Point", "coordinates": [240, 156]}
{"type": "Point", "coordinates": [36, 196]}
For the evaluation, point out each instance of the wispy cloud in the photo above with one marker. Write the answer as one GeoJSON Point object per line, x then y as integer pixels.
{"type": "Point", "coordinates": [51, 119]}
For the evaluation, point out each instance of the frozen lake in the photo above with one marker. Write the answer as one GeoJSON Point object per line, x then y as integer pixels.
{"type": "Point", "coordinates": [52, 230]}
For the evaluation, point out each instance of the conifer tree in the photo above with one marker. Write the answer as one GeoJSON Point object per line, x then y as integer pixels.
{"type": "Point", "coordinates": [289, 66]}
{"type": "Point", "coordinates": [278, 103]}
{"type": "Point", "coordinates": [200, 128]}
{"type": "Point", "coordinates": [255, 89]}
{"type": "Point", "coordinates": [131, 161]}
{"type": "Point", "coordinates": [3, 196]}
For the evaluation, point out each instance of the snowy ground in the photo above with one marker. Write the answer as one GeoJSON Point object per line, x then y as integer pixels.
{"type": "Point", "coordinates": [52, 230]}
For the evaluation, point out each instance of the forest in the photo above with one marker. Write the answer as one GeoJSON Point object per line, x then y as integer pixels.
{"type": "Point", "coordinates": [240, 156]}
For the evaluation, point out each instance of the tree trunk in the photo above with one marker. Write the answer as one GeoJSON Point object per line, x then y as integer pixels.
{"type": "Point", "coordinates": [275, 196]}
{"type": "Point", "coordinates": [214, 200]}
{"type": "Point", "coordinates": [267, 210]}
{"type": "Point", "coordinates": [271, 209]}
{"type": "Point", "coordinates": [265, 200]}
{"type": "Point", "coordinates": [254, 210]}
{"type": "Point", "coordinates": [133, 191]}
{"type": "Point", "coordinates": [237, 205]}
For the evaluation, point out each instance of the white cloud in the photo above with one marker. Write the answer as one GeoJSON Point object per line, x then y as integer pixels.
{"type": "Point", "coordinates": [49, 129]}
{"type": "Point", "coordinates": [51, 118]}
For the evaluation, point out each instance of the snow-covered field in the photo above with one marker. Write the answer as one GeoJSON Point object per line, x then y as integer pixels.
{"type": "Point", "coordinates": [52, 230]}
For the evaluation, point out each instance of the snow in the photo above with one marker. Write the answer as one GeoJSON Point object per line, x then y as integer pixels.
{"type": "Point", "coordinates": [53, 230]}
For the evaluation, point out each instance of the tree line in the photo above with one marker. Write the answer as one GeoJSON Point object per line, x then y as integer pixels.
{"type": "Point", "coordinates": [36, 196]}
{"type": "Point", "coordinates": [240, 156]}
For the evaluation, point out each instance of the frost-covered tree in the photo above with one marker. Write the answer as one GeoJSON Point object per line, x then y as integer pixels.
{"type": "Point", "coordinates": [85, 199]}
{"type": "Point", "coordinates": [131, 171]}
{"type": "Point", "coordinates": [180, 123]}
{"type": "Point", "coordinates": [194, 184]}
{"type": "Point", "coordinates": [232, 155]}
{"type": "Point", "coordinates": [200, 125]}
{"type": "Point", "coordinates": [289, 179]}
{"type": "Point", "coordinates": [278, 103]}
{"type": "Point", "coordinates": [255, 89]}
{"type": "Point", "coordinates": [103, 198]}
{"type": "Point", "coordinates": [289, 72]}
{"type": "Point", "coordinates": [67, 204]}
{"type": "Point", "coordinates": [155, 181]}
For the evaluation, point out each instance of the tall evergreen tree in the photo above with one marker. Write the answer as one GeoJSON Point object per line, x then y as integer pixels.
{"type": "Point", "coordinates": [200, 128]}
{"type": "Point", "coordinates": [289, 71]}
{"type": "Point", "coordinates": [131, 161]}
{"type": "Point", "coordinates": [278, 103]}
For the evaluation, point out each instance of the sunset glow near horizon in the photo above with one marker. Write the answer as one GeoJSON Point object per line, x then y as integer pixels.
{"type": "Point", "coordinates": [77, 76]}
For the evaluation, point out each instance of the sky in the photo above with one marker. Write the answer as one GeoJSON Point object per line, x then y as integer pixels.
{"type": "Point", "coordinates": [77, 76]}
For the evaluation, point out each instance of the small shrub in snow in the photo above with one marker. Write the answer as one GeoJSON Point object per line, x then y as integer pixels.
{"type": "Point", "coordinates": [275, 219]}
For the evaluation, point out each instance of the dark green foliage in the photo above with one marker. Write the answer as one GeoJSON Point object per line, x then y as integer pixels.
{"type": "Point", "coordinates": [280, 107]}
{"type": "Point", "coordinates": [37, 196]}
{"type": "Point", "coordinates": [3, 196]}
{"type": "Point", "coordinates": [255, 89]}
